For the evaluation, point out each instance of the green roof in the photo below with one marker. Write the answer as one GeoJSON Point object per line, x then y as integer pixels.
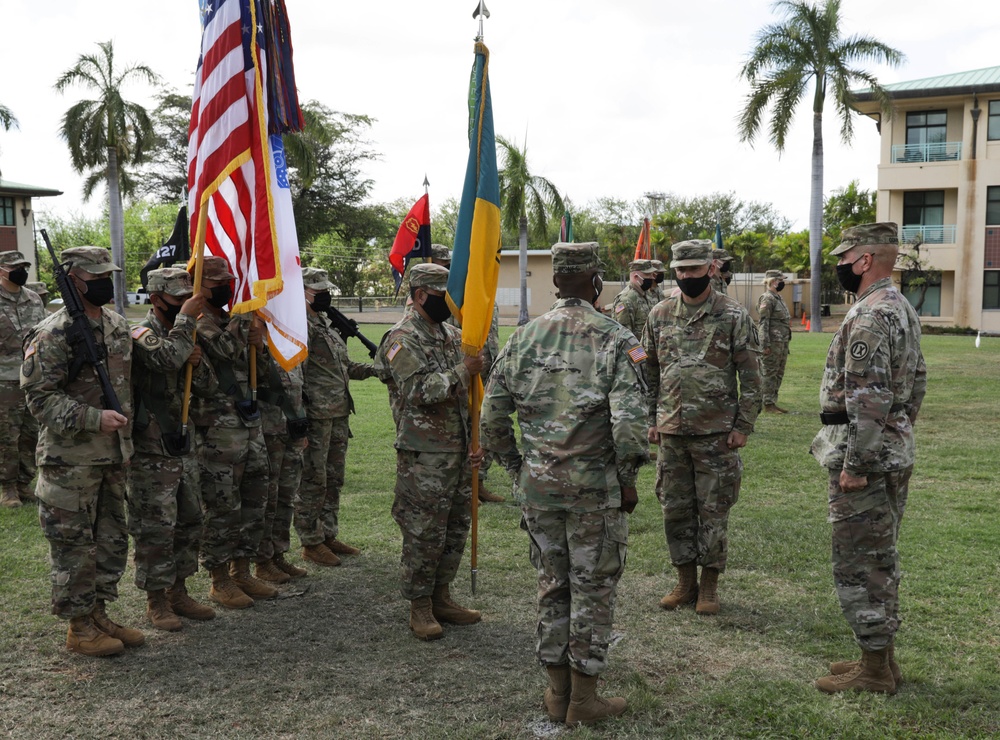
{"type": "Point", "coordinates": [32, 191]}
{"type": "Point", "coordinates": [986, 80]}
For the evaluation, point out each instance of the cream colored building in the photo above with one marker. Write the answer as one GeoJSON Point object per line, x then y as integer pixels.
{"type": "Point", "coordinates": [939, 179]}
{"type": "Point", "coordinates": [17, 219]}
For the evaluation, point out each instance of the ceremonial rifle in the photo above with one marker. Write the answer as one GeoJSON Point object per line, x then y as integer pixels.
{"type": "Point", "coordinates": [349, 328]}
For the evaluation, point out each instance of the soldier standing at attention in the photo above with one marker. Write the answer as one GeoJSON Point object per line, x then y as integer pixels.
{"type": "Point", "coordinates": [20, 310]}
{"type": "Point", "coordinates": [328, 372]}
{"type": "Point", "coordinates": [82, 453]}
{"type": "Point", "coordinates": [42, 290]}
{"type": "Point", "coordinates": [872, 389]}
{"type": "Point", "coordinates": [233, 463]}
{"type": "Point", "coordinates": [164, 502]}
{"type": "Point", "coordinates": [573, 378]}
{"type": "Point", "coordinates": [774, 333]}
{"type": "Point", "coordinates": [656, 294]}
{"type": "Point", "coordinates": [721, 265]}
{"type": "Point", "coordinates": [704, 380]}
{"type": "Point", "coordinates": [632, 305]}
{"type": "Point", "coordinates": [422, 355]}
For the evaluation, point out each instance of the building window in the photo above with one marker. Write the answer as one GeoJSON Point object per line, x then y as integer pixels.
{"type": "Point", "coordinates": [926, 296]}
{"type": "Point", "coordinates": [993, 206]}
{"type": "Point", "coordinates": [993, 130]}
{"type": "Point", "coordinates": [7, 211]}
{"type": "Point", "coordinates": [991, 289]}
{"type": "Point", "coordinates": [923, 216]}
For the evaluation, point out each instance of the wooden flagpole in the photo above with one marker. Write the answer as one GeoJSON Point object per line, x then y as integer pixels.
{"type": "Point", "coordinates": [199, 263]}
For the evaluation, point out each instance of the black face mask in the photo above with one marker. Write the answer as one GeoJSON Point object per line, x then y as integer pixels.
{"type": "Point", "coordinates": [99, 291]}
{"type": "Point", "coordinates": [221, 294]}
{"type": "Point", "coordinates": [693, 287]}
{"type": "Point", "coordinates": [647, 283]}
{"type": "Point", "coordinates": [725, 266]}
{"type": "Point", "coordinates": [847, 278]}
{"type": "Point", "coordinates": [321, 302]}
{"type": "Point", "coordinates": [780, 286]}
{"type": "Point", "coordinates": [18, 276]}
{"type": "Point", "coordinates": [437, 308]}
{"type": "Point", "coordinates": [659, 278]}
{"type": "Point", "coordinates": [728, 279]}
{"type": "Point", "coordinates": [170, 311]}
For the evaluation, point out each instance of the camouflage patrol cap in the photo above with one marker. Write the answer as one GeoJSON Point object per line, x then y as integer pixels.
{"type": "Point", "coordinates": [868, 235]}
{"type": "Point", "coordinates": [173, 281]}
{"type": "Point", "coordinates": [657, 266]}
{"type": "Point", "coordinates": [215, 268]}
{"type": "Point", "coordinates": [95, 260]}
{"type": "Point", "coordinates": [721, 255]}
{"type": "Point", "coordinates": [691, 253]}
{"type": "Point", "coordinates": [572, 258]}
{"type": "Point", "coordinates": [12, 259]}
{"type": "Point", "coordinates": [440, 252]}
{"type": "Point", "coordinates": [427, 275]}
{"type": "Point", "coordinates": [773, 275]}
{"type": "Point", "coordinates": [641, 266]}
{"type": "Point", "coordinates": [41, 288]}
{"type": "Point", "coordinates": [315, 279]}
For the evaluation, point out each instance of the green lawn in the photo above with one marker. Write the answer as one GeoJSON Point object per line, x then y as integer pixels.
{"type": "Point", "coordinates": [335, 658]}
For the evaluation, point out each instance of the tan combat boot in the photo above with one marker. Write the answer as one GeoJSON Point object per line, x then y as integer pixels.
{"type": "Point", "coordinates": [558, 693]}
{"type": "Point", "coordinates": [708, 592]}
{"type": "Point", "coordinates": [129, 637]}
{"type": "Point", "coordinates": [585, 706]}
{"type": "Point", "coordinates": [184, 606]}
{"type": "Point", "coordinates": [288, 568]}
{"type": "Point", "coordinates": [9, 497]}
{"type": "Point", "coordinates": [846, 666]}
{"type": "Point", "coordinates": [686, 590]}
{"type": "Point", "coordinates": [160, 613]}
{"type": "Point", "coordinates": [239, 571]}
{"type": "Point", "coordinates": [320, 554]}
{"type": "Point", "coordinates": [446, 610]}
{"type": "Point", "coordinates": [83, 637]}
{"type": "Point", "coordinates": [486, 495]}
{"type": "Point", "coordinates": [27, 492]}
{"type": "Point", "coordinates": [773, 409]}
{"type": "Point", "coordinates": [226, 593]}
{"type": "Point", "coordinates": [422, 620]}
{"type": "Point", "coordinates": [268, 571]}
{"type": "Point", "coordinates": [872, 673]}
{"type": "Point", "coordinates": [340, 548]}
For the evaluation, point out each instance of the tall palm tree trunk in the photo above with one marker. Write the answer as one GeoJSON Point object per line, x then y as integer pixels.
{"type": "Point", "coordinates": [117, 227]}
{"type": "Point", "coordinates": [816, 224]}
{"type": "Point", "coordinates": [522, 266]}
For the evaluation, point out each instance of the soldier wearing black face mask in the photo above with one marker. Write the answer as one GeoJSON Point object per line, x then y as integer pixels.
{"type": "Point", "coordinates": [632, 305]}
{"type": "Point", "coordinates": [721, 273]}
{"type": "Point", "coordinates": [775, 334]}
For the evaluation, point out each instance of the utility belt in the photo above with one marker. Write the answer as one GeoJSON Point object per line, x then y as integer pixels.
{"type": "Point", "coordinates": [840, 417]}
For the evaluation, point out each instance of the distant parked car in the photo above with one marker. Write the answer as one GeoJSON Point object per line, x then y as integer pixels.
{"type": "Point", "coordinates": [137, 297]}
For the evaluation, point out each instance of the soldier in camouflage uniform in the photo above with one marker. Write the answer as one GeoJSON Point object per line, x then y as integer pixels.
{"type": "Point", "coordinates": [656, 293]}
{"type": "Point", "coordinates": [873, 386]}
{"type": "Point", "coordinates": [82, 452]}
{"type": "Point", "coordinates": [700, 344]}
{"type": "Point", "coordinates": [720, 271]}
{"type": "Point", "coordinates": [633, 304]}
{"type": "Point", "coordinates": [233, 464]}
{"type": "Point", "coordinates": [164, 502]}
{"type": "Point", "coordinates": [775, 334]}
{"type": "Point", "coordinates": [42, 290]}
{"type": "Point", "coordinates": [422, 356]}
{"type": "Point", "coordinates": [20, 310]}
{"type": "Point", "coordinates": [573, 377]}
{"type": "Point", "coordinates": [328, 372]}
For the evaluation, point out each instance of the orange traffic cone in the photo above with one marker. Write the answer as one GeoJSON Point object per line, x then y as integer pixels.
{"type": "Point", "coordinates": [803, 322]}
{"type": "Point", "coordinates": [808, 325]}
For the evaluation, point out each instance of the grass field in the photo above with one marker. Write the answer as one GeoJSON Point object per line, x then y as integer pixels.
{"type": "Point", "coordinates": [334, 658]}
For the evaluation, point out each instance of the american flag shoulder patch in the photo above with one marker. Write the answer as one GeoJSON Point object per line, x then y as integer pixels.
{"type": "Point", "coordinates": [393, 351]}
{"type": "Point", "coordinates": [619, 308]}
{"type": "Point", "coordinates": [637, 354]}
{"type": "Point", "coordinates": [138, 331]}
{"type": "Point", "coordinates": [30, 351]}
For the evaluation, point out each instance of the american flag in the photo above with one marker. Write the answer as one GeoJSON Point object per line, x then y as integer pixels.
{"type": "Point", "coordinates": [239, 201]}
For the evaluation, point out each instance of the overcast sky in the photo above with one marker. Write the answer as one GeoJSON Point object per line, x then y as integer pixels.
{"type": "Point", "coordinates": [616, 98]}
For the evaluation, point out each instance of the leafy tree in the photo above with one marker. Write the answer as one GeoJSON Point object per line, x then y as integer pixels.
{"type": "Point", "coordinates": [164, 178]}
{"type": "Point", "coordinates": [106, 136]}
{"type": "Point", "coordinates": [918, 274]}
{"type": "Point", "coordinates": [847, 207]}
{"type": "Point", "coordinates": [807, 45]}
{"type": "Point", "coordinates": [444, 221]}
{"type": "Point", "coordinates": [7, 119]}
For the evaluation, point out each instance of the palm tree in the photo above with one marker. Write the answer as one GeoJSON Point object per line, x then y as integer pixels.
{"type": "Point", "coordinates": [7, 119]}
{"type": "Point", "coordinates": [107, 135]}
{"type": "Point", "coordinates": [526, 203]}
{"type": "Point", "coordinates": [807, 45]}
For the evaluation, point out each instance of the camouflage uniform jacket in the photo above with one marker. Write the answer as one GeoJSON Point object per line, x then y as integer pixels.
{"type": "Point", "coordinates": [875, 373]}
{"type": "Point", "coordinates": [225, 341]}
{"type": "Point", "coordinates": [693, 366]}
{"type": "Point", "coordinates": [772, 326]}
{"type": "Point", "coordinates": [425, 362]}
{"type": "Point", "coordinates": [719, 285]}
{"type": "Point", "coordinates": [283, 399]}
{"type": "Point", "coordinates": [160, 358]}
{"type": "Point", "coordinates": [328, 370]}
{"type": "Point", "coordinates": [69, 411]}
{"type": "Point", "coordinates": [631, 308]}
{"type": "Point", "coordinates": [19, 313]}
{"type": "Point", "coordinates": [574, 378]}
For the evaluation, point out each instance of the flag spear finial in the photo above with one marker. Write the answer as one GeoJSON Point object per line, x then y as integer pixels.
{"type": "Point", "coordinates": [480, 12]}
{"type": "Point", "coordinates": [427, 183]}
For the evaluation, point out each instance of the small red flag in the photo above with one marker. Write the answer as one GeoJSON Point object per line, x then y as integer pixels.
{"type": "Point", "coordinates": [409, 242]}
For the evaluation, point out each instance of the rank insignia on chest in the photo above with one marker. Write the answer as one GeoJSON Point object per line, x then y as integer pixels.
{"type": "Point", "coordinates": [393, 351]}
{"type": "Point", "coordinates": [637, 354]}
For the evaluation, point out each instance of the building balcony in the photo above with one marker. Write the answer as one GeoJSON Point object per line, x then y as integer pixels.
{"type": "Point", "coordinates": [942, 234]}
{"type": "Point", "coordinates": [945, 151]}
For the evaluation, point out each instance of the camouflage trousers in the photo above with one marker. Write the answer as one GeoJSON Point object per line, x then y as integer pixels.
{"type": "Point", "coordinates": [82, 512]}
{"type": "Point", "coordinates": [165, 518]}
{"type": "Point", "coordinates": [234, 471]}
{"type": "Point", "coordinates": [18, 435]}
{"type": "Point", "coordinates": [699, 478]}
{"type": "Point", "coordinates": [865, 559]}
{"type": "Point", "coordinates": [284, 456]}
{"type": "Point", "coordinates": [317, 508]}
{"type": "Point", "coordinates": [433, 510]}
{"type": "Point", "coordinates": [580, 556]}
{"type": "Point", "coordinates": [773, 371]}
